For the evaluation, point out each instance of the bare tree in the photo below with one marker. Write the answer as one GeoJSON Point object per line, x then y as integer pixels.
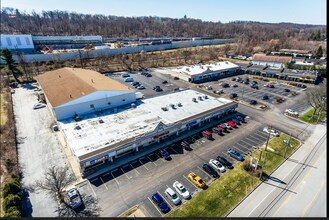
{"type": "Point", "coordinates": [55, 180]}
{"type": "Point", "coordinates": [317, 97]}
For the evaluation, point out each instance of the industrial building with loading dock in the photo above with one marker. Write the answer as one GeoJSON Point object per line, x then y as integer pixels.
{"type": "Point", "coordinates": [102, 134]}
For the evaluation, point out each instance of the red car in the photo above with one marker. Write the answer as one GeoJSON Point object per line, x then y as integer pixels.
{"type": "Point", "coordinates": [231, 123]}
{"type": "Point", "coordinates": [220, 128]}
{"type": "Point", "coordinates": [207, 134]}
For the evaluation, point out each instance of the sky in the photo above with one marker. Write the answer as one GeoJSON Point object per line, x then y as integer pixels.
{"type": "Point", "coordinates": [272, 11]}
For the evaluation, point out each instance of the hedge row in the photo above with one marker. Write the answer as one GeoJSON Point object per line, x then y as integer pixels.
{"type": "Point", "coordinates": [12, 198]}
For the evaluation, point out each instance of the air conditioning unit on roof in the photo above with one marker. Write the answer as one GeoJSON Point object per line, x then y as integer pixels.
{"type": "Point", "coordinates": [179, 104]}
{"type": "Point", "coordinates": [164, 108]}
{"type": "Point", "coordinates": [193, 99]}
{"type": "Point", "coordinates": [200, 98]}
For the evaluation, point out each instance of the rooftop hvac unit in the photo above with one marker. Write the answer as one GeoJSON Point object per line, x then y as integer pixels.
{"type": "Point", "coordinates": [133, 105]}
{"type": "Point", "coordinates": [200, 98]}
{"type": "Point", "coordinates": [205, 97]}
{"type": "Point", "coordinates": [226, 62]}
{"type": "Point", "coordinates": [77, 127]}
{"type": "Point", "coordinates": [188, 69]}
{"type": "Point", "coordinates": [172, 106]}
{"type": "Point", "coordinates": [179, 104]}
{"type": "Point", "coordinates": [100, 121]}
{"type": "Point", "coordinates": [164, 108]}
{"type": "Point", "coordinates": [193, 99]}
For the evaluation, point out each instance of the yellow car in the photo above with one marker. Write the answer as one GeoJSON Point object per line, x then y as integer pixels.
{"type": "Point", "coordinates": [197, 180]}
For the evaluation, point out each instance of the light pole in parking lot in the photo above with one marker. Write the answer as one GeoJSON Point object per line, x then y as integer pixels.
{"type": "Point", "coordinates": [260, 155]}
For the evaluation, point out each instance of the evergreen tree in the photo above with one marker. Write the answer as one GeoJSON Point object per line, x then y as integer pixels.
{"type": "Point", "coordinates": [10, 62]}
{"type": "Point", "coordinates": [319, 53]}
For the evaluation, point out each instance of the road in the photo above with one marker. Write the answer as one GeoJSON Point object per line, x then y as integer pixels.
{"type": "Point", "coordinates": [296, 189]}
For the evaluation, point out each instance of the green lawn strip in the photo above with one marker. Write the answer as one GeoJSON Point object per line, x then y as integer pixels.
{"type": "Point", "coordinates": [221, 196]}
{"type": "Point", "coordinates": [307, 117]}
{"type": "Point", "coordinates": [225, 193]}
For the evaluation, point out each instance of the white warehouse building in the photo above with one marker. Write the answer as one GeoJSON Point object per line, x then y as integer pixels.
{"type": "Point", "coordinates": [206, 72]}
{"type": "Point", "coordinates": [22, 43]}
{"type": "Point", "coordinates": [72, 92]}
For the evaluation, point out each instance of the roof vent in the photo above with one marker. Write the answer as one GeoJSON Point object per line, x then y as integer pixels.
{"type": "Point", "coordinates": [205, 97]}
{"type": "Point", "coordinates": [77, 127]}
{"type": "Point", "coordinates": [164, 108]}
{"type": "Point", "coordinates": [194, 100]}
{"type": "Point", "coordinates": [133, 105]}
{"type": "Point", "coordinates": [200, 98]}
{"type": "Point", "coordinates": [226, 62]}
{"type": "Point", "coordinates": [100, 121]}
{"type": "Point", "coordinates": [188, 69]}
{"type": "Point", "coordinates": [172, 106]}
{"type": "Point", "coordinates": [71, 96]}
{"type": "Point", "coordinates": [92, 80]}
{"type": "Point", "coordinates": [179, 104]}
{"type": "Point", "coordinates": [59, 76]}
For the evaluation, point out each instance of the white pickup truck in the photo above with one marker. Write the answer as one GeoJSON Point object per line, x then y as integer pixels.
{"type": "Point", "coordinates": [139, 95]}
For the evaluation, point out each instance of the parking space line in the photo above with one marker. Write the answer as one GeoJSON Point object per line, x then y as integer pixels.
{"type": "Point", "coordinates": [204, 172]}
{"type": "Point", "coordinates": [159, 157]}
{"type": "Point", "coordinates": [92, 188]}
{"type": "Point", "coordinates": [134, 168]}
{"type": "Point", "coordinates": [244, 146]}
{"type": "Point", "coordinates": [246, 153]}
{"type": "Point", "coordinates": [103, 183]}
{"type": "Point", "coordinates": [251, 138]}
{"type": "Point", "coordinates": [164, 198]}
{"type": "Point", "coordinates": [151, 160]}
{"type": "Point", "coordinates": [155, 206]}
{"type": "Point", "coordinates": [261, 136]}
{"type": "Point", "coordinates": [143, 164]}
{"type": "Point", "coordinates": [190, 182]}
{"type": "Point", "coordinates": [125, 173]}
{"type": "Point", "coordinates": [114, 178]}
{"type": "Point", "coordinates": [247, 143]}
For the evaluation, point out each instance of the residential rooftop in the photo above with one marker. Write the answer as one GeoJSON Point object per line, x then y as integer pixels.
{"type": "Point", "coordinates": [108, 129]}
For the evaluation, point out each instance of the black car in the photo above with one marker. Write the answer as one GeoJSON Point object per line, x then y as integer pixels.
{"type": "Point", "coordinates": [165, 82]}
{"type": "Point", "coordinates": [254, 82]}
{"type": "Point", "coordinates": [265, 97]}
{"type": "Point", "coordinates": [253, 102]}
{"type": "Point", "coordinates": [233, 79]}
{"type": "Point", "coordinates": [148, 75]}
{"type": "Point", "coordinates": [254, 86]}
{"type": "Point", "coordinates": [240, 118]}
{"type": "Point", "coordinates": [233, 95]}
{"type": "Point", "coordinates": [156, 87]}
{"type": "Point", "coordinates": [225, 162]}
{"type": "Point", "coordinates": [246, 82]}
{"type": "Point", "coordinates": [304, 86]}
{"type": "Point", "coordinates": [211, 171]}
{"type": "Point", "coordinates": [287, 90]}
{"type": "Point", "coordinates": [164, 154]}
{"type": "Point", "coordinates": [225, 85]}
{"type": "Point", "coordinates": [134, 83]}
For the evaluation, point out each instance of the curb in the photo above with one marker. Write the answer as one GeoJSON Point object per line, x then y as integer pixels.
{"type": "Point", "coordinates": [301, 143]}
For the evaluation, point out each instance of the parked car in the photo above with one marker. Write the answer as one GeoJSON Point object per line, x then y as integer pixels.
{"type": "Point", "coordinates": [227, 126]}
{"type": "Point", "coordinates": [225, 85]}
{"type": "Point", "coordinates": [233, 95]}
{"type": "Point", "coordinates": [74, 198]}
{"type": "Point", "coordinates": [39, 105]}
{"type": "Point", "coordinates": [287, 90]}
{"type": "Point", "coordinates": [217, 130]}
{"type": "Point", "coordinates": [165, 82]}
{"type": "Point", "coordinates": [158, 90]}
{"type": "Point", "coordinates": [206, 134]}
{"type": "Point", "coordinates": [291, 112]}
{"type": "Point", "coordinates": [271, 132]}
{"type": "Point", "coordinates": [225, 162]}
{"type": "Point", "coordinates": [148, 75]}
{"type": "Point", "coordinates": [254, 82]}
{"type": "Point", "coordinates": [235, 154]}
{"type": "Point", "coordinates": [210, 170]}
{"type": "Point", "coordinates": [233, 79]}
{"type": "Point", "coordinates": [221, 128]}
{"type": "Point", "coordinates": [197, 180]}
{"type": "Point", "coordinates": [240, 118]}
{"type": "Point", "coordinates": [156, 87]}
{"type": "Point", "coordinates": [181, 190]}
{"type": "Point", "coordinates": [176, 78]}
{"type": "Point", "coordinates": [141, 87]}
{"type": "Point", "coordinates": [158, 200]}
{"type": "Point", "coordinates": [254, 86]}
{"type": "Point", "coordinates": [172, 196]}
{"type": "Point", "coordinates": [236, 121]}
{"type": "Point", "coordinates": [265, 97]}
{"type": "Point", "coordinates": [125, 75]}
{"type": "Point", "coordinates": [231, 123]}
{"type": "Point", "coordinates": [217, 165]}
{"type": "Point", "coordinates": [246, 82]}
{"type": "Point", "coordinates": [253, 102]}
{"type": "Point", "coordinates": [164, 154]}
{"type": "Point", "coordinates": [134, 83]}
{"type": "Point", "coordinates": [270, 86]}
{"type": "Point", "coordinates": [185, 145]}
{"type": "Point", "coordinates": [129, 79]}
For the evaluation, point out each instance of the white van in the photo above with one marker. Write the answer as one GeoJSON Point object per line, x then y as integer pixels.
{"type": "Point", "coordinates": [172, 196]}
{"type": "Point", "coordinates": [129, 79]}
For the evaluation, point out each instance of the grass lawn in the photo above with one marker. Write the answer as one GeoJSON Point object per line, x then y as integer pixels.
{"type": "Point", "coordinates": [307, 117]}
{"type": "Point", "coordinates": [3, 113]}
{"type": "Point", "coordinates": [225, 193]}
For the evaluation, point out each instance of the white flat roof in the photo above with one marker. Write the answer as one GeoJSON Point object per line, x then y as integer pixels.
{"type": "Point", "coordinates": [205, 68]}
{"type": "Point", "coordinates": [118, 127]}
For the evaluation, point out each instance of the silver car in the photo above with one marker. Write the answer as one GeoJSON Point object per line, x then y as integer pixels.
{"type": "Point", "coordinates": [74, 198]}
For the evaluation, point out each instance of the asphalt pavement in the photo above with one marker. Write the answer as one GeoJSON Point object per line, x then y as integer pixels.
{"type": "Point", "coordinates": [296, 189]}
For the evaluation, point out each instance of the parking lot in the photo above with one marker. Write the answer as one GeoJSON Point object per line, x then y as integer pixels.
{"type": "Point", "coordinates": [149, 83]}
{"type": "Point", "coordinates": [246, 93]}
{"type": "Point", "coordinates": [136, 182]}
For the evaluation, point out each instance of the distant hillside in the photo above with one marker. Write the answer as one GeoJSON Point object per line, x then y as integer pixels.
{"type": "Point", "coordinates": [246, 33]}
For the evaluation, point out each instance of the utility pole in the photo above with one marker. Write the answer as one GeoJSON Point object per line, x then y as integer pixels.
{"type": "Point", "coordinates": [287, 144]}
{"type": "Point", "coordinates": [260, 156]}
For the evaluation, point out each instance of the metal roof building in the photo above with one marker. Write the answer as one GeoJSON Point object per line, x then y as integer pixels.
{"type": "Point", "coordinates": [22, 43]}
